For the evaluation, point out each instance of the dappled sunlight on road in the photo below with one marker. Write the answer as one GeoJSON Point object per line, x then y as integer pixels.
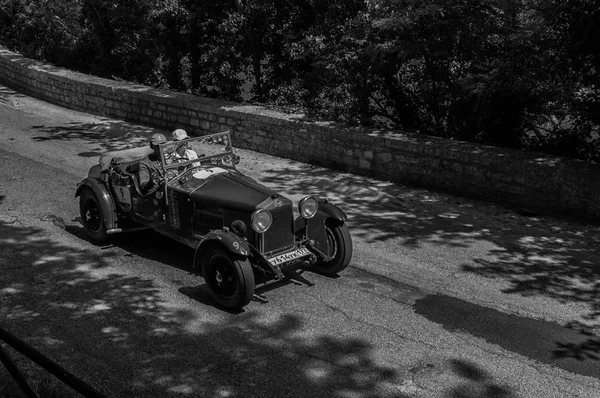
{"type": "Point", "coordinates": [103, 133]}
{"type": "Point", "coordinates": [114, 316]}
{"type": "Point", "coordinates": [105, 136]}
{"type": "Point", "coordinates": [477, 383]}
{"type": "Point", "coordinates": [117, 331]}
{"type": "Point", "coordinates": [531, 255]}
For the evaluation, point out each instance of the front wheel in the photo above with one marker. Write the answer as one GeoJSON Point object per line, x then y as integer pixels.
{"type": "Point", "coordinates": [229, 278]}
{"type": "Point", "coordinates": [340, 250]}
{"type": "Point", "coordinates": [91, 216]}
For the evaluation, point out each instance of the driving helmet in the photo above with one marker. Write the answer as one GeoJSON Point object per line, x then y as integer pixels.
{"type": "Point", "coordinates": [179, 135]}
{"type": "Point", "coordinates": [157, 139]}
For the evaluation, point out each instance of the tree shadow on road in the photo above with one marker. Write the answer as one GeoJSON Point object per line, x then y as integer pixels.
{"type": "Point", "coordinates": [588, 349]}
{"type": "Point", "coordinates": [108, 135]}
{"type": "Point", "coordinates": [552, 257]}
{"type": "Point", "coordinates": [7, 95]}
{"type": "Point", "coordinates": [115, 330]}
{"type": "Point", "coordinates": [477, 382]}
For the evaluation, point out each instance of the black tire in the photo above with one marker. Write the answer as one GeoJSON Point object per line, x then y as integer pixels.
{"type": "Point", "coordinates": [340, 248]}
{"type": "Point", "coordinates": [229, 278]}
{"type": "Point", "coordinates": [91, 216]}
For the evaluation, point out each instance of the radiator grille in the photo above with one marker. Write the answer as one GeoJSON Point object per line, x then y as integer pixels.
{"type": "Point", "coordinates": [280, 236]}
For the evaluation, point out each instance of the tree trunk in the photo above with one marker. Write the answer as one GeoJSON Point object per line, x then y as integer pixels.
{"type": "Point", "coordinates": [254, 47]}
{"type": "Point", "coordinates": [195, 55]}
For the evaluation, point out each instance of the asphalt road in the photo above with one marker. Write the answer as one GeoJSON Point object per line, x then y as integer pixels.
{"type": "Point", "coordinates": [132, 320]}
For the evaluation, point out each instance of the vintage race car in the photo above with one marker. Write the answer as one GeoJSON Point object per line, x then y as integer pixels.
{"type": "Point", "coordinates": [244, 234]}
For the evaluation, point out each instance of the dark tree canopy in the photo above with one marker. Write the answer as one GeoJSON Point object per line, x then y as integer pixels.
{"type": "Point", "coordinates": [516, 73]}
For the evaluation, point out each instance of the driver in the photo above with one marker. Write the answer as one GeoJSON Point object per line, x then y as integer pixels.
{"type": "Point", "coordinates": [182, 150]}
{"type": "Point", "coordinates": [151, 172]}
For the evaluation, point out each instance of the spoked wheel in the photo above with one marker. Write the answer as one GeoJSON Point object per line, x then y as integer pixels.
{"type": "Point", "coordinates": [229, 278]}
{"type": "Point", "coordinates": [91, 216]}
{"type": "Point", "coordinates": [339, 242]}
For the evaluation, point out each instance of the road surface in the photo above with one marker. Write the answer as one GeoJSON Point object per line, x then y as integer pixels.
{"type": "Point", "coordinates": [445, 296]}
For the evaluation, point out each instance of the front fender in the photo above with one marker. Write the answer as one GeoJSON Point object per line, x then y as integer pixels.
{"type": "Point", "coordinates": [332, 211]}
{"type": "Point", "coordinates": [327, 211]}
{"type": "Point", "coordinates": [314, 228]}
{"type": "Point", "coordinates": [225, 238]}
{"type": "Point", "coordinates": [107, 205]}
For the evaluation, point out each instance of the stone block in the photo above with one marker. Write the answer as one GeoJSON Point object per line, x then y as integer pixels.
{"type": "Point", "coordinates": [383, 157]}
{"type": "Point", "coordinates": [348, 160]}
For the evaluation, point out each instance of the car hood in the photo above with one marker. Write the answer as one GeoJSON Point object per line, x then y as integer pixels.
{"type": "Point", "coordinates": [229, 189]}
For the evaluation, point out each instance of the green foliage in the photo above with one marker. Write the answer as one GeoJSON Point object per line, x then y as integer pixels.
{"type": "Point", "coordinates": [222, 61]}
{"type": "Point", "coordinates": [118, 40]}
{"type": "Point", "coordinates": [516, 73]}
{"type": "Point", "coordinates": [458, 69]}
{"type": "Point", "coordinates": [42, 29]}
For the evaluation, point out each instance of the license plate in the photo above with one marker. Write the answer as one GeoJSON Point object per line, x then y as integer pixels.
{"type": "Point", "coordinates": [284, 258]}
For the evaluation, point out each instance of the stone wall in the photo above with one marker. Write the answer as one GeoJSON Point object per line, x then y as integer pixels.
{"type": "Point", "coordinates": [528, 180]}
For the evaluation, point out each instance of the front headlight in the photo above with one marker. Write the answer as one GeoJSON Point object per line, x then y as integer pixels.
{"type": "Point", "coordinates": [261, 221]}
{"type": "Point", "coordinates": [308, 207]}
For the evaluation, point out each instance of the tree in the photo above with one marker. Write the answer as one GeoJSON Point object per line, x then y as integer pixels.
{"type": "Point", "coordinates": [516, 73]}
{"type": "Point", "coordinates": [118, 30]}
{"type": "Point", "coordinates": [45, 29]}
{"type": "Point", "coordinates": [170, 22]}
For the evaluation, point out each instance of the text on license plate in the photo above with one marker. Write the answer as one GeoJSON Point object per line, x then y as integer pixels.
{"type": "Point", "coordinates": [283, 258]}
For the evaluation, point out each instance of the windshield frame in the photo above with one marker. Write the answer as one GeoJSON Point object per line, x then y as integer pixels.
{"type": "Point", "coordinates": [226, 158]}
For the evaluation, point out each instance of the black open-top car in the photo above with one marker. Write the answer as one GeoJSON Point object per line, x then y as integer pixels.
{"type": "Point", "coordinates": [241, 230]}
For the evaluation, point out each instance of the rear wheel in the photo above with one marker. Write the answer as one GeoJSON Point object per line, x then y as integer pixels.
{"type": "Point", "coordinates": [229, 278]}
{"type": "Point", "coordinates": [91, 216]}
{"type": "Point", "coordinates": [340, 250]}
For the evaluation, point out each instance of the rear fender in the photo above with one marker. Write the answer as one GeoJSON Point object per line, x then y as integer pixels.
{"type": "Point", "coordinates": [107, 205]}
{"type": "Point", "coordinates": [95, 171]}
{"type": "Point", "coordinates": [228, 240]}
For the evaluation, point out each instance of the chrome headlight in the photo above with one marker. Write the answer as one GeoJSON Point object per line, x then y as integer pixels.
{"type": "Point", "coordinates": [261, 221]}
{"type": "Point", "coordinates": [308, 207]}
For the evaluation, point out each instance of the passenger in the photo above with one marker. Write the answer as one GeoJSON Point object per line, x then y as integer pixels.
{"type": "Point", "coordinates": [151, 172]}
{"type": "Point", "coordinates": [182, 150]}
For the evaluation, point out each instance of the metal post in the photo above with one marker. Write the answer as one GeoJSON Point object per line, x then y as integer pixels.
{"type": "Point", "coordinates": [62, 374]}
{"type": "Point", "coordinates": [16, 375]}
